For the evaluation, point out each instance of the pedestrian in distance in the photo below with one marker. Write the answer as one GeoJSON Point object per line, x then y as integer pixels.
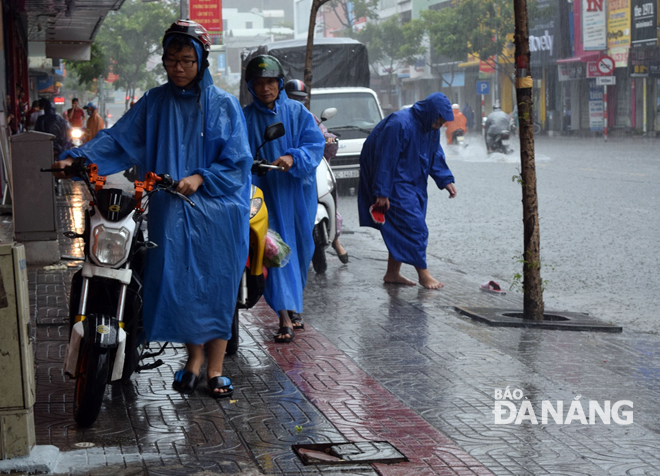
{"type": "Point", "coordinates": [32, 115]}
{"type": "Point", "coordinates": [469, 116]}
{"type": "Point", "coordinates": [195, 132]}
{"type": "Point", "coordinates": [52, 123]}
{"type": "Point", "coordinates": [75, 115]}
{"type": "Point", "coordinates": [396, 161]}
{"type": "Point", "coordinates": [94, 122]}
{"type": "Point", "coordinates": [296, 90]}
{"type": "Point", "coordinates": [290, 195]}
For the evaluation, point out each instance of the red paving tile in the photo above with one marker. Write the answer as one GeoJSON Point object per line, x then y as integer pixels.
{"type": "Point", "coordinates": [359, 407]}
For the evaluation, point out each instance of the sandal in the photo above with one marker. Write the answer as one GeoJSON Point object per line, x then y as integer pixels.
{"type": "Point", "coordinates": [281, 332]}
{"type": "Point", "coordinates": [185, 382]}
{"type": "Point", "coordinates": [296, 321]}
{"type": "Point", "coordinates": [343, 257]}
{"type": "Point", "coordinates": [220, 383]}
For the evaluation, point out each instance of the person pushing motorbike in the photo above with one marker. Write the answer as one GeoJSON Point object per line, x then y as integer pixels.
{"type": "Point", "coordinates": [195, 132]}
{"type": "Point", "coordinates": [290, 195]}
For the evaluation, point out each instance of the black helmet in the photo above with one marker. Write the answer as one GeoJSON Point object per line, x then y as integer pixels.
{"type": "Point", "coordinates": [195, 31]}
{"type": "Point", "coordinates": [263, 66]}
{"type": "Point", "coordinates": [295, 89]}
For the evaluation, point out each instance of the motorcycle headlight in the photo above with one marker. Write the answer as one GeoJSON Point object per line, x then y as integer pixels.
{"type": "Point", "coordinates": [110, 246]}
{"type": "Point", "coordinates": [255, 206]}
{"type": "Point", "coordinates": [76, 133]}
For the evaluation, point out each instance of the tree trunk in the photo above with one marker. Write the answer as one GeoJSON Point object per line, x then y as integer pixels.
{"type": "Point", "coordinates": [532, 285]}
{"type": "Point", "coordinates": [307, 72]}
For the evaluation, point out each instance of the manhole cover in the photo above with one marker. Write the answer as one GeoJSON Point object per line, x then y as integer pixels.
{"type": "Point", "coordinates": [349, 453]}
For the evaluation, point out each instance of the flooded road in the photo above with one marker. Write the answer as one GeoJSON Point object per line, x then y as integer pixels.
{"type": "Point", "coordinates": [599, 224]}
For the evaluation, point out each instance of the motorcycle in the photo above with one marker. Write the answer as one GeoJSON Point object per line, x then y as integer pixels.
{"type": "Point", "coordinates": [325, 225]}
{"type": "Point", "coordinates": [501, 143]}
{"type": "Point", "coordinates": [458, 138]}
{"type": "Point", "coordinates": [105, 306]}
{"type": "Point", "coordinates": [254, 275]}
{"type": "Point", "coordinates": [77, 134]}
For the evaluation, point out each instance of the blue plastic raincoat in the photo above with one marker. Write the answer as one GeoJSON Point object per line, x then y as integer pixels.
{"type": "Point", "coordinates": [396, 161]}
{"type": "Point", "coordinates": [290, 196]}
{"type": "Point", "coordinates": [192, 277]}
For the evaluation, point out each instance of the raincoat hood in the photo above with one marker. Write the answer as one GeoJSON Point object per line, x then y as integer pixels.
{"type": "Point", "coordinates": [427, 110]}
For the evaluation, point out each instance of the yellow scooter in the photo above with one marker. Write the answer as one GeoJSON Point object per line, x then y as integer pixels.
{"type": "Point", "coordinates": [254, 276]}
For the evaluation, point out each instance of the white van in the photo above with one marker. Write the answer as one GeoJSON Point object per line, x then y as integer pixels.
{"type": "Point", "coordinates": [358, 112]}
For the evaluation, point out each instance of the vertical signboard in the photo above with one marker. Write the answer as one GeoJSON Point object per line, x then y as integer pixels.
{"type": "Point", "coordinates": [545, 39]}
{"type": "Point", "coordinates": [644, 23]}
{"type": "Point", "coordinates": [208, 13]}
{"type": "Point", "coordinates": [596, 116]}
{"type": "Point", "coordinates": [618, 24]}
{"type": "Point", "coordinates": [594, 28]}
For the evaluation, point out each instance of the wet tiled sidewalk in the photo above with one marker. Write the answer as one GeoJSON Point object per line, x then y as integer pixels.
{"type": "Point", "coordinates": [376, 362]}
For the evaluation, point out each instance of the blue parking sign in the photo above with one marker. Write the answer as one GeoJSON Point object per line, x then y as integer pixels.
{"type": "Point", "coordinates": [483, 87]}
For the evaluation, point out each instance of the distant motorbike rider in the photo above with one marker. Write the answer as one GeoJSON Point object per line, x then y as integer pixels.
{"type": "Point", "coordinates": [297, 90]}
{"type": "Point", "coordinates": [496, 122]}
{"type": "Point", "coordinates": [459, 123]}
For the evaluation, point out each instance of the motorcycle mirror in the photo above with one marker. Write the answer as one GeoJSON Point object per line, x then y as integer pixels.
{"type": "Point", "coordinates": [274, 131]}
{"type": "Point", "coordinates": [328, 114]}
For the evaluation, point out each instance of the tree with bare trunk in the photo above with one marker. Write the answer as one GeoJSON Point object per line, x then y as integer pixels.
{"type": "Point", "coordinates": [533, 307]}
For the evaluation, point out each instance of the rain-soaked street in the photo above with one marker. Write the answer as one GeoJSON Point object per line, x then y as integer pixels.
{"type": "Point", "coordinates": [398, 363]}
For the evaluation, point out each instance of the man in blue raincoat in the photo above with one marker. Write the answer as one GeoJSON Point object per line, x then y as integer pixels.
{"type": "Point", "coordinates": [396, 161]}
{"type": "Point", "coordinates": [195, 132]}
{"type": "Point", "coordinates": [290, 195]}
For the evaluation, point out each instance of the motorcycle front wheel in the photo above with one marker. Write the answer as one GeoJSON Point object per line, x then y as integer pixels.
{"type": "Point", "coordinates": [92, 377]}
{"type": "Point", "coordinates": [319, 261]}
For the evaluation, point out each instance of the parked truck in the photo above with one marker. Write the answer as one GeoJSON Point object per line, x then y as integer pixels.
{"type": "Point", "coordinates": [340, 72]}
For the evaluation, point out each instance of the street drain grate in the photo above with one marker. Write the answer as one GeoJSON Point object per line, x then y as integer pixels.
{"type": "Point", "coordinates": [552, 320]}
{"type": "Point", "coordinates": [349, 453]}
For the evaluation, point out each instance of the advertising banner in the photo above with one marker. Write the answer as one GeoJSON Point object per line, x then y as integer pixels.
{"type": "Point", "coordinates": [618, 24]}
{"type": "Point", "coordinates": [546, 43]}
{"type": "Point", "coordinates": [208, 13]}
{"type": "Point", "coordinates": [596, 117]}
{"type": "Point", "coordinates": [594, 28]}
{"type": "Point", "coordinates": [644, 23]}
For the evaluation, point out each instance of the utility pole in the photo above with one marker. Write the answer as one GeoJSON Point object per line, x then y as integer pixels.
{"type": "Point", "coordinates": [533, 307]}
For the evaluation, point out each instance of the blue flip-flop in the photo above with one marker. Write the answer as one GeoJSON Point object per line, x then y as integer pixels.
{"type": "Point", "coordinates": [220, 383]}
{"type": "Point", "coordinates": [185, 382]}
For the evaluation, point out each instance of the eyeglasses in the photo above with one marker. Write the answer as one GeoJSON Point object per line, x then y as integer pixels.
{"type": "Point", "coordinates": [186, 64]}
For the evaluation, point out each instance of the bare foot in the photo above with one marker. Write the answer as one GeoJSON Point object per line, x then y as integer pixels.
{"type": "Point", "coordinates": [398, 279]}
{"type": "Point", "coordinates": [428, 281]}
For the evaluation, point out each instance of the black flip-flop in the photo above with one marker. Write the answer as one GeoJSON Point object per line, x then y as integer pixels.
{"type": "Point", "coordinates": [284, 340]}
{"type": "Point", "coordinates": [185, 382]}
{"type": "Point", "coordinates": [220, 383]}
{"type": "Point", "coordinates": [297, 321]}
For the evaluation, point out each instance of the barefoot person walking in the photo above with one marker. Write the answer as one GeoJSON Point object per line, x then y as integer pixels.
{"type": "Point", "coordinates": [396, 161]}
